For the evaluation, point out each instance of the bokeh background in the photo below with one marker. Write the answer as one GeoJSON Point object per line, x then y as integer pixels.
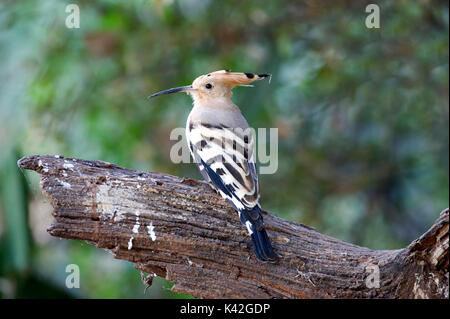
{"type": "Point", "coordinates": [363, 116]}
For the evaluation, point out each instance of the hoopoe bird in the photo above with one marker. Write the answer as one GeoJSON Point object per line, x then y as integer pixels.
{"type": "Point", "coordinates": [221, 144]}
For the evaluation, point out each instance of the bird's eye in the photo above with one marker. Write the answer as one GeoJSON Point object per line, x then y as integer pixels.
{"type": "Point", "coordinates": [208, 86]}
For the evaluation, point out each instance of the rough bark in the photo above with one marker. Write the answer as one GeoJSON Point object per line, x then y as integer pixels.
{"type": "Point", "coordinates": [182, 230]}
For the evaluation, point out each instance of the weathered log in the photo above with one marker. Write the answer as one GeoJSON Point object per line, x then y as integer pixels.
{"type": "Point", "coordinates": [182, 230]}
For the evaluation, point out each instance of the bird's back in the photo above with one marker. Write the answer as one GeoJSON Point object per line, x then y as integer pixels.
{"type": "Point", "coordinates": [222, 139]}
{"type": "Point", "coordinates": [222, 144]}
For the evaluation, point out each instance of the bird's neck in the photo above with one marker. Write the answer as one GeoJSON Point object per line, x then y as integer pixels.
{"type": "Point", "coordinates": [222, 102]}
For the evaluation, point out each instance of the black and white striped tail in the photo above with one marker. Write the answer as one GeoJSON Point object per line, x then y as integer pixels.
{"type": "Point", "coordinates": [261, 242]}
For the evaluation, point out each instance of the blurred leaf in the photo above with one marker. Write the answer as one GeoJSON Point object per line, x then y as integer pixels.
{"type": "Point", "coordinates": [16, 245]}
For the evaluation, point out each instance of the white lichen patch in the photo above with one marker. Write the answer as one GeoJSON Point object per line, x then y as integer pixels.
{"type": "Point", "coordinates": [113, 200]}
{"type": "Point", "coordinates": [57, 156]}
{"type": "Point", "coordinates": [64, 184]}
{"type": "Point", "coordinates": [130, 243]}
{"type": "Point", "coordinates": [103, 201]}
{"type": "Point", "coordinates": [68, 166]}
{"type": "Point", "coordinates": [118, 217]}
{"type": "Point", "coordinates": [44, 168]}
{"type": "Point", "coordinates": [64, 173]}
{"type": "Point", "coordinates": [151, 231]}
{"type": "Point", "coordinates": [137, 225]}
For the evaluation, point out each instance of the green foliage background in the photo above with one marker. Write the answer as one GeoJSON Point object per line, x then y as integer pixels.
{"type": "Point", "coordinates": [363, 116]}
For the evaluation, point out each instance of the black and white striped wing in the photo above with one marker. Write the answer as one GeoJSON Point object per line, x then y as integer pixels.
{"type": "Point", "coordinates": [225, 158]}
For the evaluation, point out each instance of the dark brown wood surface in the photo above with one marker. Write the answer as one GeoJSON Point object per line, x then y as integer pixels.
{"type": "Point", "coordinates": [182, 230]}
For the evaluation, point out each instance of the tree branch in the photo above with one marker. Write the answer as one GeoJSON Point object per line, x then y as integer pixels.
{"type": "Point", "coordinates": [181, 230]}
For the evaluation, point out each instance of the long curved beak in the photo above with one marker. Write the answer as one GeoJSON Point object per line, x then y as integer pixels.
{"type": "Point", "coordinates": [186, 88]}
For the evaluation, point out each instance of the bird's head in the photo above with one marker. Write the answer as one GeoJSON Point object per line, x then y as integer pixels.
{"type": "Point", "coordinates": [215, 85]}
